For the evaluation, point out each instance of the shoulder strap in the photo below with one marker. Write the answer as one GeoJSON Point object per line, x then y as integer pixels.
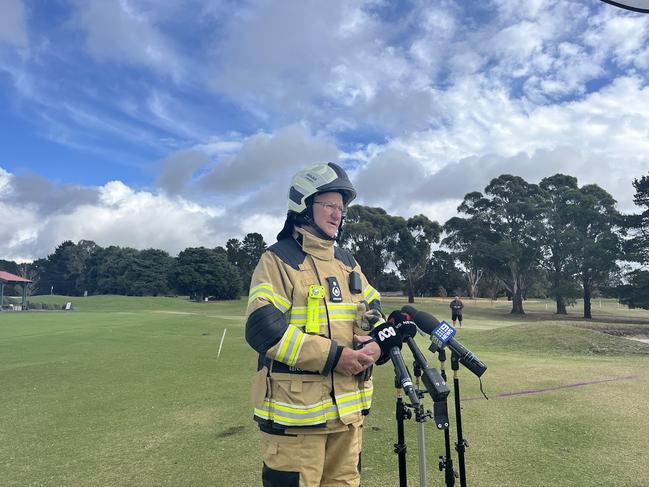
{"type": "Point", "coordinates": [289, 252]}
{"type": "Point", "coordinates": [344, 256]}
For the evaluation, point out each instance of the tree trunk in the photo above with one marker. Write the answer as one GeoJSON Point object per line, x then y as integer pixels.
{"type": "Point", "coordinates": [471, 290]}
{"type": "Point", "coordinates": [473, 277]}
{"type": "Point", "coordinates": [587, 306]}
{"type": "Point", "coordinates": [517, 303]}
{"type": "Point", "coordinates": [517, 294]}
{"type": "Point", "coordinates": [411, 295]}
{"type": "Point", "coordinates": [561, 306]}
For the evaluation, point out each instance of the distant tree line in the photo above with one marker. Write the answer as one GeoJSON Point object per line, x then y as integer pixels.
{"type": "Point", "coordinates": [85, 268]}
{"type": "Point", "coordinates": [515, 239]}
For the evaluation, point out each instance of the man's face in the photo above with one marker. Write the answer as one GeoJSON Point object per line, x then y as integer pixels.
{"type": "Point", "coordinates": [327, 212]}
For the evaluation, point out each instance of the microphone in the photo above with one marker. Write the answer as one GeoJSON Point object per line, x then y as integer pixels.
{"type": "Point", "coordinates": [389, 339]}
{"type": "Point", "coordinates": [403, 324]}
{"type": "Point", "coordinates": [441, 335]}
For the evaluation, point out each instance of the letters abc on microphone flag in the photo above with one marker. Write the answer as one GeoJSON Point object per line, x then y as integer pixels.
{"type": "Point", "coordinates": [390, 340]}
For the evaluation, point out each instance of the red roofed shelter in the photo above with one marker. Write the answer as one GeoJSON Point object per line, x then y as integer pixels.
{"type": "Point", "coordinates": [8, 278]}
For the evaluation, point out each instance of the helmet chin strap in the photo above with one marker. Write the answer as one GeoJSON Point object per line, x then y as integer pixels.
{"type": "Point", "coordinates": [308, 219]}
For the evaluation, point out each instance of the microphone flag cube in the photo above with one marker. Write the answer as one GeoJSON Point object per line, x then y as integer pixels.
{"type": "Point", "coordinates": [443, 332]}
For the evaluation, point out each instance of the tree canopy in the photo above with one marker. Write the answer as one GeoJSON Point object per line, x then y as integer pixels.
{"type": "Point", "coordinates": [515, 238]}
{"type": "Point", "coordinates": [508, 221]}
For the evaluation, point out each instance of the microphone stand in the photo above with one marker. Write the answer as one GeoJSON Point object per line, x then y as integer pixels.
{"type": "Point", "coordinates": [461, 444]}
{"type": "Point", "coordinates": [436, 386]}
{"type": "Point", "coordinates": [446, 460]}
{"type": "Point", "coordinates": [400, 448]}
{"type": "Point", "coordinates": [438, 390]}
{"type": "Point", "coordinates": [420, 417]}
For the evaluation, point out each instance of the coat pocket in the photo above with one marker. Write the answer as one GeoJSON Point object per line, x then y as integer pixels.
{"type": "Point", "coordinates": [260, 387]}
{"type": "Point", "coordinates": [301, 400]}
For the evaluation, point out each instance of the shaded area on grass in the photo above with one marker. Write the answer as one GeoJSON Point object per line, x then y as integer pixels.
{"type": "Point", "coordinates": [550, 389]}
{"type": "Point", "coordinates": [560, 338]}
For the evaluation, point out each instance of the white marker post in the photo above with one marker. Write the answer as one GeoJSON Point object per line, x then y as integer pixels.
{"type": "Point", "coordinates": [221, 345]}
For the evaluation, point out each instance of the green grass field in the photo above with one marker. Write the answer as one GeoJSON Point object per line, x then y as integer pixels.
{"type": "Point", "coordinates": [129, 392]}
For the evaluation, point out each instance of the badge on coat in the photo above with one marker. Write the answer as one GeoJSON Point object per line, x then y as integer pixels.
{"type": "Point", "coordinates": [335, 294]}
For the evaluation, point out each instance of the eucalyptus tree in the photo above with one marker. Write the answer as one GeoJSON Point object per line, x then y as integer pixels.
{"type": "Point", "coordinates": [111, 271]}
{"type": "Point", "coordinates": [412, 249]}
{"type": "Point", "coordinates": [65, 271]}
{"type": "Point", "coordinates": [636, 293]}
{"type": "Point", "coordinates": [509, 216]}
{"type": "Point", "coordinates": [201, 272]}
{"type": "Point", "coordinates": [637, 246]}
{"type": "Point", "coordinates": [560, 239]}
{"type": "Point", "coordinates": [367, 234]}
{"type": "Point", "coordinates": [245, 254]}
{"type": "Point", "coordinates": [597, 224]}
{"type": "Point", "coordinates": [442, 276]}
{"type": "Point", "coordinates": [467, 238]}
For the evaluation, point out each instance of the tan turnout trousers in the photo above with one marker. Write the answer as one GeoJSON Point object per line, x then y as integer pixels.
{"type": "Point", "coordinates": [312, 460]}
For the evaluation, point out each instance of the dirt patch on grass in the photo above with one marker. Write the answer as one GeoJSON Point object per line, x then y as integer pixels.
{"type": "Point", "coordinates": [234, 430]}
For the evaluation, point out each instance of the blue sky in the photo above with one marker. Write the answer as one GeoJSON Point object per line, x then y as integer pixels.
{"type": "Point", "coordinates": [179, 123]}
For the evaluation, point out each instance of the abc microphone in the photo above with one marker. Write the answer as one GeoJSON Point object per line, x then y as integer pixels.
{"type": "Point", "coordinates": [441, 334]}
{"type": "Point", "coordinates": [389, 339]}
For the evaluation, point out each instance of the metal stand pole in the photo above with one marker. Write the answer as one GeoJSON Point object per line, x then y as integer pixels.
{"type": "Point", "coordinates": [420, 416]}
{"type": "Point", "coordinates": [461, 444]}
{"type": "Point", "coordinates": [400, 448]}
{"type": "Point", "coordinates": [446, 460]}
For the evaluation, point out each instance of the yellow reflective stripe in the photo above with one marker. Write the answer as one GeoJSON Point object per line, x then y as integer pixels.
{"type": "Point", "coordinates": [265, 290]}
{"type": "Point", "coordinates": [298, 315]}
{"type": "Point", "coordinates": [342, 306]}
{"type": "Point", "coordinates": [341, 316]}
{"type": "Point", "coordinates": [318, 413]}
{"type": "Point", "coordinates": [355, 408]}
{"type": "Point", "coordinates": [285, 303]}
{"type": "Point", "coordinates": [296, 349]}
{"type": "Point", "coordinates": [359, 401]}
{"type": "Point", "coordinates": [370, 294]}
{"type": "Point", "coordinates": [288, 414]}
{"type": "Point", "coordinates": [291, 408]}
{"type": "Point", "coordinates": [342, 311]}
{"type": "Point", "coordinates": [343, 398]}
{"type": "Point", "coordinates": [290, 345]}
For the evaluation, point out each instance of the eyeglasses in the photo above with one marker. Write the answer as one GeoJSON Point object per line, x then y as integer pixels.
{"type": "Point", "coordinates": [332, 206]}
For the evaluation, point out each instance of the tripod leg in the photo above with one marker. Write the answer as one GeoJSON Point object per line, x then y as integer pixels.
{"type": "Point", "coordinates": [422, 454]}
{"type": "Point", "coordinates": [461, 444]}
{"type": "Point", "coordinates": [446, 461]}
{"type": "Point", "coordinates": [400, 446]}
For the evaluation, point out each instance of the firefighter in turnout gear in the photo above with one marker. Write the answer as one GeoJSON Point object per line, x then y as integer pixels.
{"type": "Point", "coordinates": [309, 312]}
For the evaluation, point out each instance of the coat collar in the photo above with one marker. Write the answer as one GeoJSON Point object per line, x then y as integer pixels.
{"type": "Point", "coordinates": [317, 247]}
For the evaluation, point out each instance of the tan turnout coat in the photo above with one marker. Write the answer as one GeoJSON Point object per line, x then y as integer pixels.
{"type": "Point", "coordinates": [295, 386]}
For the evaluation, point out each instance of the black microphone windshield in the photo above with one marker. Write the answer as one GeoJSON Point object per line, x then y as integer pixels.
{"type": "Point", "coordinates": [425, 321]}
{"type": "Point", "coordinates": [410, 311]}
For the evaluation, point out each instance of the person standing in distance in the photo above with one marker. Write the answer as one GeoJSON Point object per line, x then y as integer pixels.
{"type": "Point", "coordinates": [456, 310]}
{"type": "Point", "coordinates": [312, 390]}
